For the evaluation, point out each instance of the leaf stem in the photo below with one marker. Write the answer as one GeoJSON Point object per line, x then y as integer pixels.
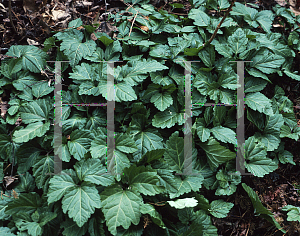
{"type": "Point", "coordinates": [219, 25]}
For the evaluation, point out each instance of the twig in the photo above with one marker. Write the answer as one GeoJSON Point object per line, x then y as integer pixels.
{"type": "Point", "coordinates": [6, 168]}
{"type": "Point", "coordinates": [10, 17]}
{"type": "Point", "coordinates": [248, 228]}
{"type": "Point", "coordinates": [131, 6]}
{"type": "Point", "coordinates": [219, 25]}
{"type": "Point", "coordinates": [181, 14]}
{"type": "Point", "coordinates": [132, 24]}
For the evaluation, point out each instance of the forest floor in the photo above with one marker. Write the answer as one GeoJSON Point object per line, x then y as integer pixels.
{"type": "Point", "coordinates": [35, 20]}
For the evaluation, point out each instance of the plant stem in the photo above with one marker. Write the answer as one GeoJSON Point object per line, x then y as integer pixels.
{"type": "Point", "coordinates": [219, 25]}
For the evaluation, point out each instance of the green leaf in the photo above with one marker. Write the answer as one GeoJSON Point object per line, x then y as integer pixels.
{"type": "Point", "coordinates": [97, 119]}
{"type": "Point", "coordinates": [11, 67]}
{"type": "Point", "coordinates": [80, 202]}
{"type": "Point", "coordinates": [75, 23]}
{"type": "Point", "coordinates": [267, 62]}
{"type": "Point", "coordinates": [238, 41]}
{"type": "Point", "coordinates": [74, 122]}
{"type": "Point", "coordinates": [27, 202]}
{"type": "Point", "coordinates": [286, 157]}
{"type": "Point", "coordinates": [203, 133]}
{"type": "Point", "coordinates": [80, 143]}
{"type": "Point", "coordinates": [259, 102]}
{"type": "Point", "coordinates": [94, 172]}
{"type": "Point", "coordinates": [200, 18]}
{"type": "Point", "coordinates": [98, 54]}
{"type": "Point", "coordinates": [5, 146]}
{"type": "Point", "coordinates": [24, 222]}
{"type": "Point", "coordinates": [123, 91]}
{"type": "Point", "coordinates": [223, 134]}
{"type": "Point", "coordinates": [27, 154]}
{"type": "Point", "coordinates": [285, 131]}
{"type": "Point", "coordinates": [220, 208]}
{"type": "Point", "coordinates": [207, 56]}
{"type": "Point", "coordinates": [223, 4]}
{"type": "Point", "coordinates": [162, 100]}
{"type": "Point", "coordinates": [35, 111]}
{"type": "Point", "coordinates": [144, 180]}
{"type": "Point", "coordinates": [14, 106]}
{"type": "Point", "coordinates": [49, 43]}
{"type": "Point", "coordinates": [206, 84]}
{"type": "Point", "coordinates": [152, 155]}
{"type": "Point", "coordinates": [256, 73]}
{"type": "Point", "coordinates": [83, 71]}
{"type": "Point", "coordinates": [37, 129]}
{"type": "Point", "coordinates": [3, 205]}
{"type": "Point", "coordinates": [160, 51]}
{"type": "Point", "coordinates": [41, 89]}
{"type": "Point", "coordinates": [120, 207]}
{"type": "Point", "coordinates": [174, 155]}
{"type": "Point", "coordinates": [104, 38]}
{"type": "Point", "coordinates": [59, 186]}
{"type": "Point", "coordinates": [190, 183]}
{"type": "Point", "coordinates": [26, 183]}
{"type": "Point", "coordinates": [265, 19]}
{"type": "Point", "coordinates": [45, 217]}
{"type": "Point", "coordinates": [43, 166]}
{"type": "Point", "coordinates": [197, 3]}
{"type": "Point", "coordinates": [254, 85]}
{"type": "Point", "coordinates": [135, 68]}
{"type": "Point", "coordinates": [75, 50]}
{"type": "Point", "coordinates": [271, 135]}
{"type": "Point", "coordinates": [158, 78]}
{"type": "Point", "coordinates": [183, 203]}
{"type": "Point", "coordinates": [167, 118]}
{"type": "Point", "coordinates": [257, 161]}
{"type": "Point", "coordinates": [98, 147]}
{"type": "Point", "coordinates": [227, 182]}
{"type": "Point", "coordinates": [292, 75]}
{"type": "Point", "coordinates": [63, 152]}
{"type": "Point", "coordinates": [293, 212]}
{"type": "Point", "coordinates": [33, 58]}
{"type": "Point", "coordinates": [125, 143]}
{"type": "Point", "coordinates": [121, 161]}
{"type": "Point", "coordinates": [216, 154]}
{"type": "Point", "coordinates": [33, 228]}
{"type": "Point", "coordinates": [147, 141]}
{"type": "Point", "coordinates": [249, 13]}
{"type": "Point", "coordinates": [112, 51]}
{"type": "Point", "coordinates": [224, 50]}
{"type": "Point", "coordinates": [194, 229]}
{"type": "Point", "coordinates": [5, 231]}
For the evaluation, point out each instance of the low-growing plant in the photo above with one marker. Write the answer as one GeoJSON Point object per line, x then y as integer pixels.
{"type": "Point", "coordinates": [148, 198]}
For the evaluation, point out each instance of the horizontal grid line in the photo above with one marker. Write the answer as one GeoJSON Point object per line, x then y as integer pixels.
{"type": "Point", "coordinates": [85, 104]}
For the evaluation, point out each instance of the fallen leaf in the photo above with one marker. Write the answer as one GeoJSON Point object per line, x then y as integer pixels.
{"type": "Point", "coordinates": [145, 28]}
{"type": "Point", "coordinates": [59, 14]}
{"type": "Point", "coordinates": [32, 42]}
{"type": "Point", "coordinates": [9, 180]}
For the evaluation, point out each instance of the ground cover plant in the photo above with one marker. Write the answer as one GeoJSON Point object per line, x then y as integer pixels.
{"type": "Point", "coordinates": [148, 198]}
